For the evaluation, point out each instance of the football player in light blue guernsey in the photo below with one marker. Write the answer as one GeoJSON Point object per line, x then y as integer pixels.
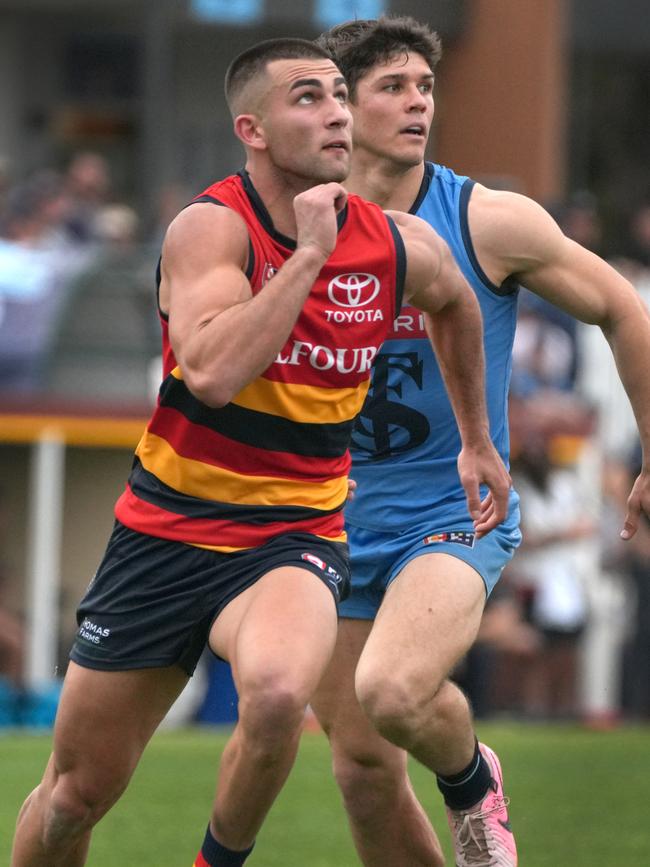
{"type": "Point", "coordinates": [420, 572]}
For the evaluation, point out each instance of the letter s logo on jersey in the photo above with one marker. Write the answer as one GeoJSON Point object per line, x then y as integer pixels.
{"type": "Point", "coordinates": [353, 290]}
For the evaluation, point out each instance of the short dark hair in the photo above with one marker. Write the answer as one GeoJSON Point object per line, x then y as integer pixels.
{"type": "Point", "coordinates": [357, 46]}
{"type": "Point", "coordinates": [254, 60]}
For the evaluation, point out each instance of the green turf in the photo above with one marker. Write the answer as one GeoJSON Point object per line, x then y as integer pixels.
{"type": "Point", "coordinates": [579, 799]}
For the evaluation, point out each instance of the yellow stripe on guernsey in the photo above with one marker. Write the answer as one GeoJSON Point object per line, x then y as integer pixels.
{"type": "Point", "coordinates": [197, 479]}
{"type": "Point", "coordinates": [306, 404]}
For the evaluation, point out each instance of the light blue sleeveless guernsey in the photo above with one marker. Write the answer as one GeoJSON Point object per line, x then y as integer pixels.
{"type": "Point", "coordinates": [406, 442]}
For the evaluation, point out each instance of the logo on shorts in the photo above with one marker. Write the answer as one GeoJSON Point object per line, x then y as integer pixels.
{"type": "Point", "coordinates": [460, 537]}
{"type": "Point", "coordinates": [331, 575]}
{"type": "Point", "coordinates": [92, 632]}
{"type": "Point", "coordinates": [312, 558]}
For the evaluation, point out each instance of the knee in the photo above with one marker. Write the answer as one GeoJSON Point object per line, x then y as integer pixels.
{"type": "Point", "coordinates": [272, 712]}
{"type": "Point", "coordinates": [369, 783]}
{"type": "Point", "coordinates": [75, 807]}
{"type": "Point", "coordinates": [395, 705]}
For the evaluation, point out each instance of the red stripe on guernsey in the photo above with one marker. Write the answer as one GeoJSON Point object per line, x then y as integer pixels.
{"type": "Point", "coordinates": [199, 443]}
{"type": "Point", "coordinates": [154, 521]}
{"type": "Point", "coordinates": [200, 861]}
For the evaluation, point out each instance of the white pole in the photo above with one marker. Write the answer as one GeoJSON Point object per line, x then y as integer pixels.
{"type": "Point", "coordinates": [44, 564]}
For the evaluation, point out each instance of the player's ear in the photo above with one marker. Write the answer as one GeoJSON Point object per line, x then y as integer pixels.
{"type": "Point", "coordinates": [249, 130]}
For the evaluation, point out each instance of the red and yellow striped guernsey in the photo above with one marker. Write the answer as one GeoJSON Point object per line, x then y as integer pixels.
{"type": "Point", "coordinates": [275, 459]}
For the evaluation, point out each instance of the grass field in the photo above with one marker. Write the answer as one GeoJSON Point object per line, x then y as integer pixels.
{"type": "Point", "coordinates": [579, 799]}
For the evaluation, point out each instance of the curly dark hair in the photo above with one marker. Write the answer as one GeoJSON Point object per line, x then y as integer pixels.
{"type": "Point", "coordinates": [356, 46]}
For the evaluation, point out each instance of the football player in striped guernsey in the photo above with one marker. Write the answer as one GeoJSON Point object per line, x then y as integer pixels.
{"type": "Point", "coordinates": [276, 290]}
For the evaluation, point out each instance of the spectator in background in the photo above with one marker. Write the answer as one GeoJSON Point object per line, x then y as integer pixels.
{"type": "Point", "coordinates": [37, 263]}
{"type": "Point", "coordinates": [543, 354]}
{"type": "Point", "coordinates": [35, 212]}
{"type": "Point", "coordinates": [118, 226]}
{"type": "Point", "coordinates": [550, 563]}
{"type": "Point", "coordinates": [637, 653]}
{"type": "Point", "coordinates": [635, 258]}
{"type": "Point", "coordinates": [88, 188]}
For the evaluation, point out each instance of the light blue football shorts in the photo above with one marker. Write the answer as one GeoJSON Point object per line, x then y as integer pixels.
{"type": "Point", "coordinates": [377, 558]}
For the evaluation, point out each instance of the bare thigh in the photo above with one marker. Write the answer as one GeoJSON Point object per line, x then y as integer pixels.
{"type": "Point", "coordinates": [428, 620]}
{"type": "Point", "coordinates": [104, 722]}
{"type": "Point", "coordinates": [281, 630]}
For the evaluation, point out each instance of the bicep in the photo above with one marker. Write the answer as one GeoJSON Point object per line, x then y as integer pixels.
{"type": "Point", "coordinates": [577, 281]}
{"type": "Point", "coordinates": [517, 238]}
{"type": "Point", "coordinates": [202, 273]}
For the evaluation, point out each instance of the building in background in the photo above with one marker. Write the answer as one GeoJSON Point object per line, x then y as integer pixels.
{"type": "Point", "coordinates": [545, 96]}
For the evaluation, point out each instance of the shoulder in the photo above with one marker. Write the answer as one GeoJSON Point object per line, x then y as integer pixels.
{"type": "Point", "coordinates": [511, 232]}
{"type": "Point", "coordinates": [413, 229]}
{"type": "Point", "coordinates": [493, 212]}
{"type": "Point", "coordinates": [421, 241]}
{"type": "Point", "coordinates": [206, 225]}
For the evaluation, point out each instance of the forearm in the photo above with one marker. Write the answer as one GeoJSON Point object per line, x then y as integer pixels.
{"type": "Point", "coordinates": [233, 347]}
{"type": "Point", "coordinates": [456, 333]}
{"type": "Point", "coordinates": [629, 339]}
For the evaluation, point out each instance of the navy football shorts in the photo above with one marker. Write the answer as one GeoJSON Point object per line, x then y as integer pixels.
{"type": "Point", "coordinates": [153, 601]}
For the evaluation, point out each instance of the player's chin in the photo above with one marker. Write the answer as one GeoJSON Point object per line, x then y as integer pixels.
{"type": "Point", "coordinates": [334, 165]}
{"type": "Point", "coordinates": [411, 154]}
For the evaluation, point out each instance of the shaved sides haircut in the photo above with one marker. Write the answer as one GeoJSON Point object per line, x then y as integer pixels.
{"type": "Point", "coordinates": [357, 46]}
{"type": "Point", "coordinates": [248, 65]}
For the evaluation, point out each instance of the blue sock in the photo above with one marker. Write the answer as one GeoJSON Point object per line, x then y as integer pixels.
{"type": "Point", "coordinates": [213, 854]}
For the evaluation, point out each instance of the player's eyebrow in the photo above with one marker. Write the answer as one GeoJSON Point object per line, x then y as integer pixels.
{"type": "Point", "coordinates": [306, 82]}
{"type": "Point", "coordinates": [315, 82]}
{"type": "Point", "coordinates": [400, 76]}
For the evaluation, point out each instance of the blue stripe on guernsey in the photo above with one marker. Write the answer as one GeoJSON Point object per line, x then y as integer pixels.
{"type": "Point", "coordinates": [405, 442]}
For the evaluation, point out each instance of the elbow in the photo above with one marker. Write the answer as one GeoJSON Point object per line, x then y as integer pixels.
{"type": "Point", "coordinates": [209, 390]}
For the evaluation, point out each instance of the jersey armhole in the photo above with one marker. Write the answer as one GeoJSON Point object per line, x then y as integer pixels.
{"type": "Point", "coordinates": [509, 285]}
{"type": "Point", "coordinates": [400, 264]}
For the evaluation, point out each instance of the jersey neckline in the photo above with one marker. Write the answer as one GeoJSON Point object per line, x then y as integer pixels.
{"type": "Point", "coordinates": [427, 177]}
{"type": "Point", "coordinates": [264, 217]}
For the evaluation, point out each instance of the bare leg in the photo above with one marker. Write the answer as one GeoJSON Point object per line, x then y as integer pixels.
{"type": "Point", "coordinates": [105, 720]}
{"type": "Point", "coordinates": [278, 635]}
{"type": "Point", "coordinates": [428, 620]}
{"type": "Point", "coordinates": [389, 827]}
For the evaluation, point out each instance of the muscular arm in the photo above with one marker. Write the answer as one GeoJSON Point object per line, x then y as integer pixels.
{"type": "Point", "coordinates": [222, 335]}
{"type": "Point", "coordinates": [515, 236]}
{"type": "Point", "coordinates": [435, 285]}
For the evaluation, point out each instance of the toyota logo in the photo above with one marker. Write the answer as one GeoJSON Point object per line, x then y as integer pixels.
{"type": "Point", "coordinates": [353, 290]}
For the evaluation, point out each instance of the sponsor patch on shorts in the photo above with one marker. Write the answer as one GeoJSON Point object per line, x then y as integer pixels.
{"type": "Point", "coordinates": [331, 574]}
{"type": "Point", "coordinates": [460, 537]}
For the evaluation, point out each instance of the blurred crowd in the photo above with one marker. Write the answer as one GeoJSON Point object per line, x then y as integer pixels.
{"type": "Point", "coordinates": [574, 599]}
{"type": "Point", "coordinates": [63, 232]}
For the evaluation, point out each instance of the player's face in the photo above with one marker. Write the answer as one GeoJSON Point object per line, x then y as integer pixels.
{"type": "Point", "coordinates": [393, 109]}
{"type": "Point", "coordinates": [306, 120]}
